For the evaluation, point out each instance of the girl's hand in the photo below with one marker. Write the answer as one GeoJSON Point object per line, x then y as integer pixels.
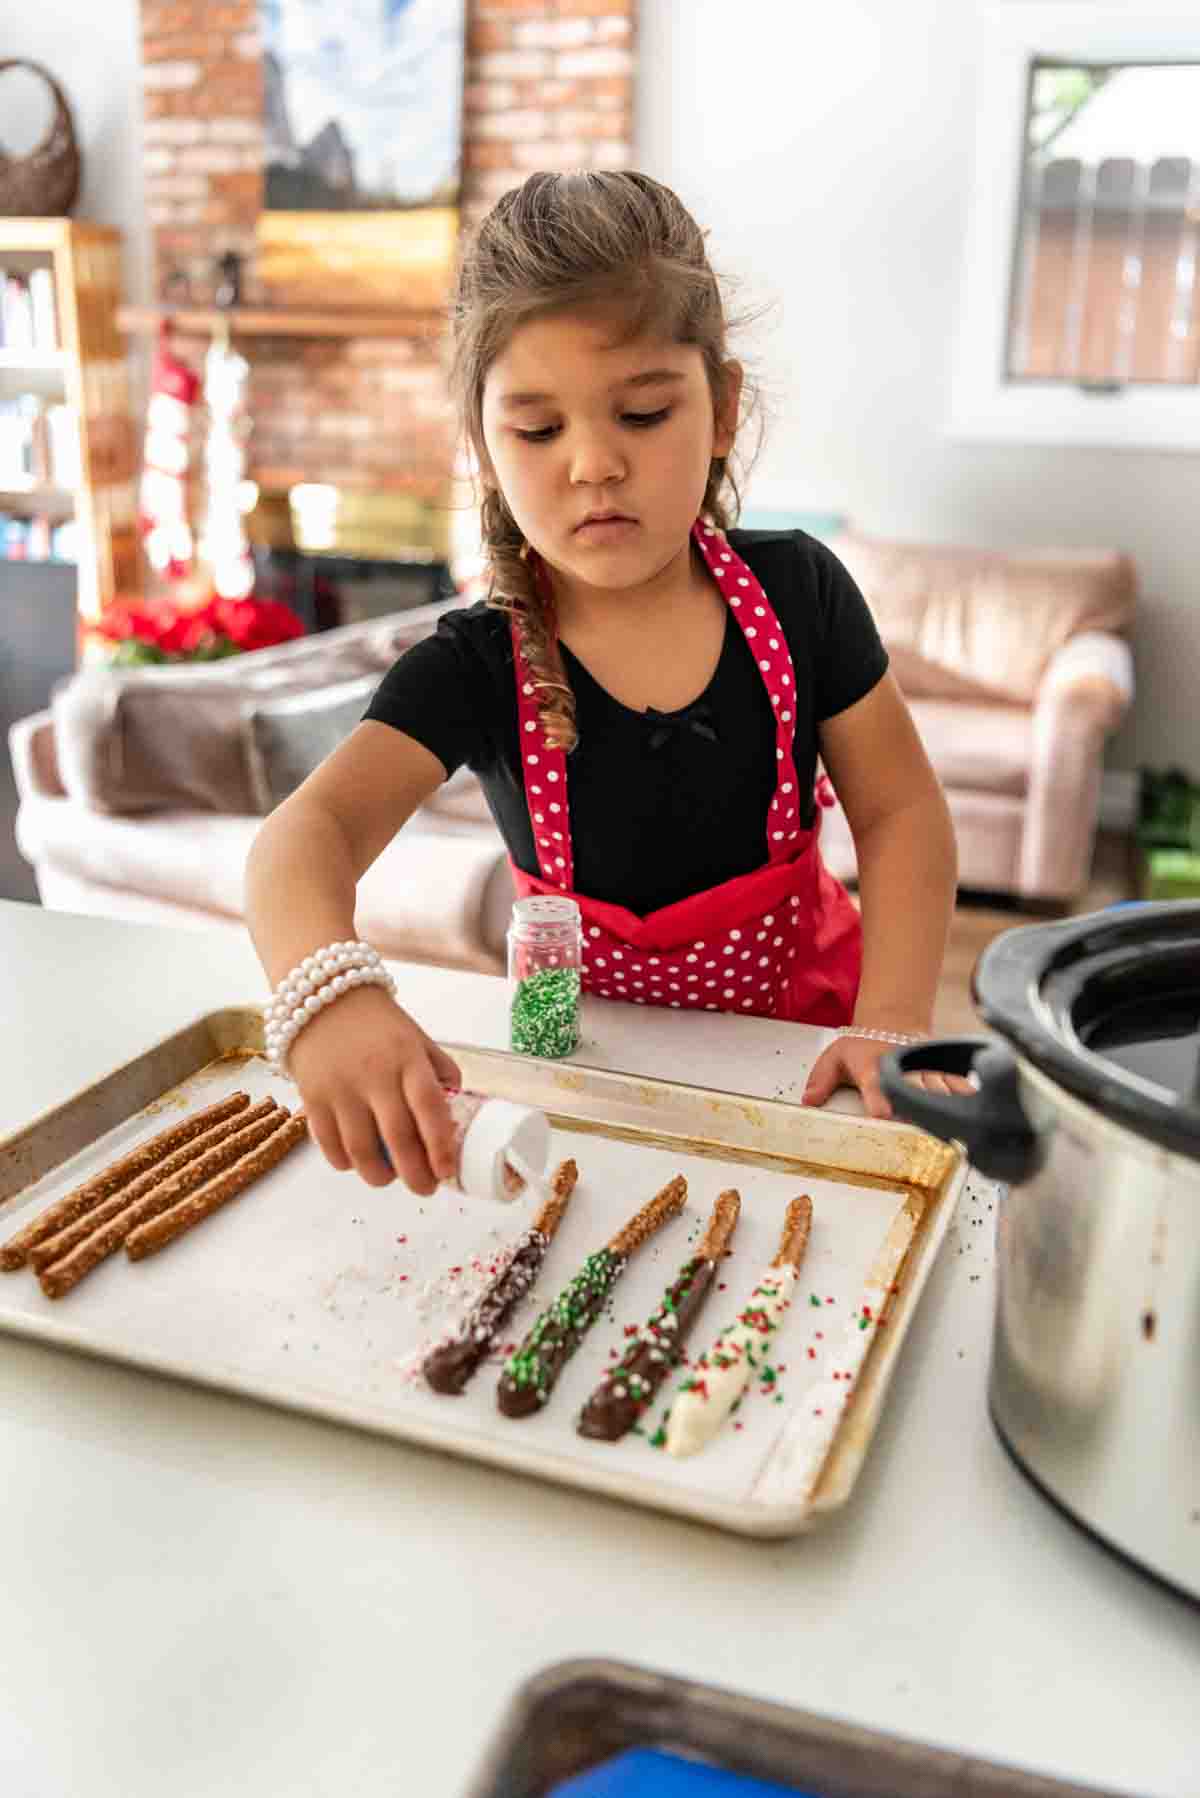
{"type": "Point", "coordinates": [854, 1061]}
{"type": "Point", "coordinates": [371, 1079]}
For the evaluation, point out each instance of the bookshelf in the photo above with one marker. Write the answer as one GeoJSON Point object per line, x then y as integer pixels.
{"type": "Point", "coordinates": [68, 454]}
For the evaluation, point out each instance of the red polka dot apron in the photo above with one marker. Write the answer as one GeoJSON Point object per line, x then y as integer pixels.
{"type": "Point", "coordinates": [783, 941]}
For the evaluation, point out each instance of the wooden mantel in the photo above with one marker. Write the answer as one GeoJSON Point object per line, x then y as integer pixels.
{"type": "Point", "coordinates": [277, 321]}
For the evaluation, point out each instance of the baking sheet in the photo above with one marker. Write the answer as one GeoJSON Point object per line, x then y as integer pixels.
{"type": "Point", "coordinates": [577, 1714]}
{"type": "Point", "coordinates": [317, 1292]}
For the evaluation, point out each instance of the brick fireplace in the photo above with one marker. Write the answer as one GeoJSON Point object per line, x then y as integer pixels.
{"type": "Point", "coordinates": [547, 84]}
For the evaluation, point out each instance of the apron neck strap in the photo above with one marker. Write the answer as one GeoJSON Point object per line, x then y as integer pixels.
{"type": "Point", "coordinates": [544, 767]}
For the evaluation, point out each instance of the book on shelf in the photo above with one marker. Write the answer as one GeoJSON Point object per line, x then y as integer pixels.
{"type": "Point", "coordinates": [38, 539]}
{"type": "Point", "coordinates": [45, 311]}
{"type": "Point", "coordinates": [39, 444]}
{"type": "Point", "coordinates": [28, 313]}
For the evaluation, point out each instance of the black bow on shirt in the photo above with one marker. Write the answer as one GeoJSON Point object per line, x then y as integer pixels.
{"type": "Point", "coordinates": [696, 717]}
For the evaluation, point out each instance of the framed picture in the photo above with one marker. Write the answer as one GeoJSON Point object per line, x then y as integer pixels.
{"type": "Point", "coordinates": [363, 106]}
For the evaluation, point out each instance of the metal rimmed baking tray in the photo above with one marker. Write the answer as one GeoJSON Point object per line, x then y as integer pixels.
{"type": "Point", "coordinates": [316, 1293]}
{"type": "Point", "coordinates": [578, 1714]}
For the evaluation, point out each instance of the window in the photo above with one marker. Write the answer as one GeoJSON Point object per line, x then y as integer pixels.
{"type": "Point", "coordinates": [1081, 293]}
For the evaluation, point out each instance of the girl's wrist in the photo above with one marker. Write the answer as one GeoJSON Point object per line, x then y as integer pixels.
{"type": "Point", "coordinates": [314, 983]}
{"type": "Point", "coordinates": [895, 1038]}
{"type": "Point", "coordinates": [908, 1020]}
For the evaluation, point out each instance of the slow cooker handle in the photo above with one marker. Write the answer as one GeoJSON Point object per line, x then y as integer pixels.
{"type": "Point", "coordinates": [991, 1123]}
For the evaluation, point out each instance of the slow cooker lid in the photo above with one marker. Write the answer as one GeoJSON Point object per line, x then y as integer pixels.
{"type": "Point", "coordinates": [1109, 1006]}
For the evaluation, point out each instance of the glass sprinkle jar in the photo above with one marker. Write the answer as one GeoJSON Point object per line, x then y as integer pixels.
{"type": "Point", "coordinates": [545, 967]}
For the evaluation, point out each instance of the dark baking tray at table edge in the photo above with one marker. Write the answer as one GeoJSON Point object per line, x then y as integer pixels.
{"type": "Point", "coordinates": [235, 1033]}
{"type": "Point", "coordinates": [576, 1714]}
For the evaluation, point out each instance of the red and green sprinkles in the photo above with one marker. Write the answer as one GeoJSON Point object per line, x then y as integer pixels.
{"type": "Point", "coordinates": [627, 1390]}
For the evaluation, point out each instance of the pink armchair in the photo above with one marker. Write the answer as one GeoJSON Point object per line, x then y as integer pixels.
{"type": "Point", "coordinates": [1018, 669]}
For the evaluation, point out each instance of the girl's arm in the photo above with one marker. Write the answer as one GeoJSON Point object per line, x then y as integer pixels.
{"type": "Point", "coordinates": [907, 870]}
{"type": "Point", "coordinates": [365, 1070]}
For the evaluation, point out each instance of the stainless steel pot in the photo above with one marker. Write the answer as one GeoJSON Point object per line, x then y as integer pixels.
{"type": "Point", "coordinates": [1089, 1108]}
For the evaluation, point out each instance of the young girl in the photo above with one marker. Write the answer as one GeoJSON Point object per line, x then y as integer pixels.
{"type": "Point", "coordinates": [644, 696]}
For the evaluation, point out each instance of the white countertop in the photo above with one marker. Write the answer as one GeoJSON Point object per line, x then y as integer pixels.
{"type": "Point", "coordinates": [209, 1596]}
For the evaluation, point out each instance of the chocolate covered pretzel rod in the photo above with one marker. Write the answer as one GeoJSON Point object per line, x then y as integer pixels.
{"type": "Point", "coordinates": [529, 1376]}
{"type": "Point", "coordinates": [149, 1238]}
{"type": "Point", "coordinates": [61, 1276]}
{"type": "Point", "coordinates": [449, 1365]}
{"type": "Point", "coordinates": [44, 1254]}
{"type": "Point", "coordinates": [628, 1389]}
{"type": "Point", "coordinates": [111, 1179]}
{"type": "Point", "coordinates": [720, 1377]}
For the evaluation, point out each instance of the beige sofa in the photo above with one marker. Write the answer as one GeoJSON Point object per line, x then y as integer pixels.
{"type": "Point", "coordinates": [140, 792]}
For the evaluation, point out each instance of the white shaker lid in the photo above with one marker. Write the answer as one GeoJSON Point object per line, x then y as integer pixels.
{"type": "Point", "coordinates": [500, 1125]}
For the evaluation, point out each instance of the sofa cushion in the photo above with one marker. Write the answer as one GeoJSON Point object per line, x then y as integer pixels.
{"type": "Point", "coordinates": [286, 739]}
{"type": "Point", "coordinates": [995, 619]}
{"type": "Point", "coordinates": [919, 678]}
{"type": "Point", "coordinates": [979, 748]}
{"type": "Point", "coordinates": [168, 738]}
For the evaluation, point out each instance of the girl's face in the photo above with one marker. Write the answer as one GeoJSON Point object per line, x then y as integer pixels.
{"type": "Point", "coordinates": [601, 447]}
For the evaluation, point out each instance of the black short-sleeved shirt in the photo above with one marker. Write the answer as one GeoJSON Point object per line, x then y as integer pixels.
{"type": "Point", "coordinates": [660, 807]}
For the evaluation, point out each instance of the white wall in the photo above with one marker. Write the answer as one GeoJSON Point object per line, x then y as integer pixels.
{"type": "Point", "coordinates": [828, 149]}
{"type": "Point", "coordinates": [93, 50]}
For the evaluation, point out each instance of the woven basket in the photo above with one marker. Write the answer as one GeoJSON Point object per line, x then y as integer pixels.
{"type": "Point", "coordinates": [45, 183]}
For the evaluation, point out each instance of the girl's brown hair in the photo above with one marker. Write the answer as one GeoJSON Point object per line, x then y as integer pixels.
{"type": "Point", "coordinates": [564, 240]}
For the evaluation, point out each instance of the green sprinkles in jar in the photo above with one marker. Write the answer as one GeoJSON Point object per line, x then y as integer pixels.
{"type": "Point", "coordinates": [545, 1013]}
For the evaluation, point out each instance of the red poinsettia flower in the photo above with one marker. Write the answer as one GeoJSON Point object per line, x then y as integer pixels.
{"type": "Point", "coordinates": [126, 619]}
{"type": "Point", "coordinates": [158, 631]}
{"type": "Point", "coordinates": [256, 623]}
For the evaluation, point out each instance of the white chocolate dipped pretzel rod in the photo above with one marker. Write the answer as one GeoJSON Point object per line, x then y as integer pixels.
{"type": "Point", "coordinates": [792, 1469]}
{"type": "Point", "coordinates": [719, 1378]}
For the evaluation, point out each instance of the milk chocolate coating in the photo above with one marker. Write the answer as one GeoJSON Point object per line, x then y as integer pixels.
{"type": "Point", "coordinates": [529, 1375]}
{"type": "Point", "coordinates": [628, 1388]}
{"type": "Point", "coordinates": [449, 1365]}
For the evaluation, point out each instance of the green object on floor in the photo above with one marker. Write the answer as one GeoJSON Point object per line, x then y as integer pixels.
{"type": "Point", "coordinates": [1168, 810]}
{"type": "Point", "coordinates": [1170, 874]}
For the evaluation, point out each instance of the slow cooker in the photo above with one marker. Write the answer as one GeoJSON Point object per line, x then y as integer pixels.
{"type": "Point", "coordinates": [1086, 1104]}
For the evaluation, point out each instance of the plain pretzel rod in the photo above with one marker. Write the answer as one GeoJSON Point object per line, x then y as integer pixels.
{"type": "Point", "coordinates": [53, 1248]}
{"type": "Point", "coordinates": [61, 1276]}
{"type": "Point", "coordinates": [147, 1239]}
{"type": "Point", "coordinates": [84, 1198]}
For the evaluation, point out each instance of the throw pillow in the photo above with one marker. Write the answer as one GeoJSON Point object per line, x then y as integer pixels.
{"type": "Point", "coordinates": [286, 739]}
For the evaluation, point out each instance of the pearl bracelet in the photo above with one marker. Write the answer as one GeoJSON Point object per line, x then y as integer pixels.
{"type": "Point", "coordinates": [313, 984]}
{"type": "Point", "coordinates": [900, 1038]}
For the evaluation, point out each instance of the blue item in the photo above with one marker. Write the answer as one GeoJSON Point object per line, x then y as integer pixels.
{"type": "Point", "coordinates": [648, 1773]}
{"type": "Point", "coordinates": [817, 524]}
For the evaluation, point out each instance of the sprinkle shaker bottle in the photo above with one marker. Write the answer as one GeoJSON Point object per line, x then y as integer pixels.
{"type": "Point", "coordinates": [545, 964]}
{"type": "Point", "coordinates": [500, 1146]}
